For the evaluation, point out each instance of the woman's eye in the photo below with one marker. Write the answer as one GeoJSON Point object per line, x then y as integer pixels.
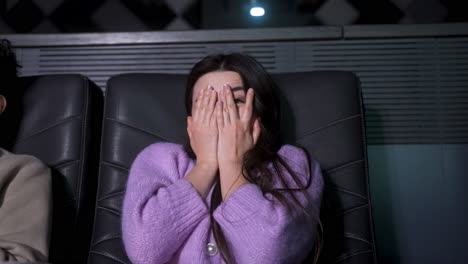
{"type": "Point", "coordinates": [238, 101]}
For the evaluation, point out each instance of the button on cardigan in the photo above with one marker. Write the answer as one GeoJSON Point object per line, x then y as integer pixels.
{"type": "Point", "coordinates": [165, 220]}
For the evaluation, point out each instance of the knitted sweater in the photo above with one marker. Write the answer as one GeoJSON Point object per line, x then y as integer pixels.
{"type": "Point", "coordinates": [165, 220]}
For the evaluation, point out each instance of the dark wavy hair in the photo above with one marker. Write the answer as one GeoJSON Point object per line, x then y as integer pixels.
{"type": "Point", "coordinates": [8, 67]}
{"type": "Point", "coordinates": [10, 118]}
{"type": "Point", "coordinates": [255, 161]}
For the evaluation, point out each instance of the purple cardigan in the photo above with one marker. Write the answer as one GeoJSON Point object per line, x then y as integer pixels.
{"type": "Point", "coordinates": [166, 221]}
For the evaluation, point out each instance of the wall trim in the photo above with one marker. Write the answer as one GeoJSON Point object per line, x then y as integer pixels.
{"type": "Point", "coordinates": [237, 35]}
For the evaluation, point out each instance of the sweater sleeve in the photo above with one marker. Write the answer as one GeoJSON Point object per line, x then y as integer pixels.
{"type": "Point", "coordinates": [160, 208]}
{"type": "Point", "coordinates": [260, 229]}
{"type": "Point", "coordinates": [25, 209]}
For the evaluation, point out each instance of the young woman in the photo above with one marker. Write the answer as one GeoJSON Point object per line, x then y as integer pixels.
{"type": "Point", "coordinates": [234, 194]}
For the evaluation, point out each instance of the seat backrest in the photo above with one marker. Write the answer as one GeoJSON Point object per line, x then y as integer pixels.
{"type": "Point", "coordinates": [324, 115]}
{"type": "Point", "coordinates": [140, 109]}
{"type": "Point", "coordinates": [59, 120]}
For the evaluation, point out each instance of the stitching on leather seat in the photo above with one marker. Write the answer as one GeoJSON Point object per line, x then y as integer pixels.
{"type": "Point", "coordinates": [112, 164]}
{"type": "Point", "coordinates": [109, 210]}
{"type": "Point", "coordinates": [346, 191]}
{"type": "Point", "coordinates": [65, 163]}
{"type": "Point", "coordinates": [105, 239]}
{"type": "Point", "coordinates": [344, 165]}
{"type": "Point", "coordinates": [110, 195]}
{"type": "Point", "coordinates": [137, 128]}
{"type": "Point", "coordinates": [353, 236]}
{"type": "Point", "coordinates": [106, 255]}
{"type": "Point", "coordinates": [353, 209]}
{"type": "Point", "coordinates": [327, 125]}
{"type": "Point", "coordinates": [353, 255]}
{"type": "Point", "coordinates": [71, 118]}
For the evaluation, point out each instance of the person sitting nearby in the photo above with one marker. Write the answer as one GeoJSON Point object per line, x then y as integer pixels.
{"type": "Point", "coordinates": [25, 184]}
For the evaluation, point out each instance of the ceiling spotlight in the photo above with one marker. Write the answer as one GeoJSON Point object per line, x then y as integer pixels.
{"type": "Point", "coordinates": [257, 11]}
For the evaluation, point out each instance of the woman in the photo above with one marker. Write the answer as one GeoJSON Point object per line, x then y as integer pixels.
{"type": "Point", "coordinates": [234, 194]}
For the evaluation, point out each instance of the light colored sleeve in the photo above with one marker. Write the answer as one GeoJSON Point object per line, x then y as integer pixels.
{"type": "Point", "coordinates": [259, 229]}
{"type": "Point", "coordinates": [160, 208]}
{"type": "Point", "coordinates": [25, 210]}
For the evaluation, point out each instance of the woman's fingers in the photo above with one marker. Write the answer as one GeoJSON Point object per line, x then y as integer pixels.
{"type": "Point", "coordinates": [231, 106]}
{"type": "Point", "coordinates": [198, 104]}
{"type": "Point", "coordinates": [210, 105]}
{"type": "Point", "coordinates": [213, 102]}
{"type": "Point", "coordinates": [204, 107]}
{"type": "Point", "coordinates": [247, 115]}
{"type": "Point", "coordinates": [201, 110]}
{"type": "Point", "coordinates": [225, 110]}
{"type": "Point", "coordinates": [256, 130]}
{"type": "Point", "coordinates": [219, 115]}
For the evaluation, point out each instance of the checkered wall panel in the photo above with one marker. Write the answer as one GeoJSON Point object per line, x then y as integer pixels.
{"type": "Point", "coordinates": [56, 16]}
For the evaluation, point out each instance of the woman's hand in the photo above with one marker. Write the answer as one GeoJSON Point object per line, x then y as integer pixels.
{"type": "Point", "coordinates": [236, 135]}
{"type": "Point", "coordinates": [202, 128]}
{"type": "Point", "coordinates": [237, 132]}
{"type": "Point", "coordinates": [203, 134]}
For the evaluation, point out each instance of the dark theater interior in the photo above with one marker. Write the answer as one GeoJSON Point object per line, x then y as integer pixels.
{"type": "Point", "coordinates": [233, 131]}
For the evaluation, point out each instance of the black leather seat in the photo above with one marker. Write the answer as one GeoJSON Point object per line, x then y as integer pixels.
{"type": "Point", "coordinates": [59, 120]}
{"type": "Point", "coordinates": [325, 116]}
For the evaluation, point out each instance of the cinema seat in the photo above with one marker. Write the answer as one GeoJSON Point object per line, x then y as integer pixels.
{"type": "Point", "coordinates": [324, 114]}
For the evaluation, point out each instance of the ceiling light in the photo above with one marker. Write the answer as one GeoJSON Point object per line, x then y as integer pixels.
{"type": "Point", "coordinates": [257, 11]}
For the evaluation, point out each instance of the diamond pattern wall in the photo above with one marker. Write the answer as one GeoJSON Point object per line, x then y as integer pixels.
{"type": "Point", "coordinates": [55, 16]}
